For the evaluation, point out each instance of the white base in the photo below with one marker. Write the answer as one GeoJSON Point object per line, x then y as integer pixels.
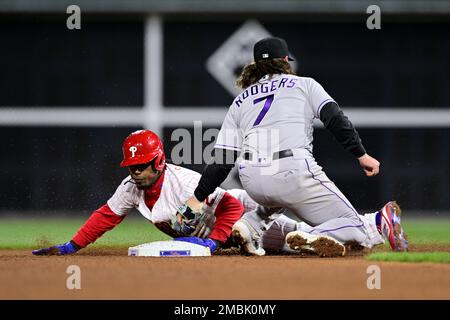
{"type": "Point", "coordinates": [169, 249]}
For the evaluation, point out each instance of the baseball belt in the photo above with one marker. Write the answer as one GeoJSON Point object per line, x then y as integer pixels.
{"type": "Point", "coordinates": [276, 155]}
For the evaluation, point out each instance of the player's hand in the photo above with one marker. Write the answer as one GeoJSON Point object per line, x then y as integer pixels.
{"type": "Point", "coordinates": [58, 250]}
{"type": "Point", "coordinates": [197, 207]}
{"type": "Point", "coordinates": [203, 229]}
{"type": "Point", "coordinates": [183, 226]}
{"type": "Point", "coordinates": [210, 243]}
{"type": "Point", "coordinates": [199, 225]}
{"type": "Point", "coordinates": [370, 165]}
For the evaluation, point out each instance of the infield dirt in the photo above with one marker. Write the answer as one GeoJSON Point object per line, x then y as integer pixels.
{"type": "Point", "coordinates": [111, 274]}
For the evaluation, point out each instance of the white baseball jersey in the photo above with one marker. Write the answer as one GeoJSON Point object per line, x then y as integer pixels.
{"type": "Point", "coordinates": [274, 114]}
{"type": "Point", "coordinates": [178, 186]}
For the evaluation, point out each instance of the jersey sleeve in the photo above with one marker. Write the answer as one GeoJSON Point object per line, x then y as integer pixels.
{"type": "Point", "coordinates": [230, 135]}
{"type": "Point", "coordinates": [102, 220]}
{"type": "Point", "coordinates": [318, 97]}
{"type": "Point", "coordinates": [125, 198]}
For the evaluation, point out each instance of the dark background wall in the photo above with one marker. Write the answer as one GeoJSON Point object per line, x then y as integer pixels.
{"type": "Point", "coordinates": [46, 169]}
{"type": "Point", "coordinates": [404, 64]}
{"type": "Point", "coordinates": [45, 64]}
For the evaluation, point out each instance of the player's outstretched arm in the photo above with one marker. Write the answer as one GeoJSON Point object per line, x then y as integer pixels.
{"type": "Point", "coordinates": [59, 250]}
{"type": "Point", "coordinates": [102, 220]}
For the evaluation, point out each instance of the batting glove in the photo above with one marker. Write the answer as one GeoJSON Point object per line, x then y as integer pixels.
{"type": "Point", "coordinates": [58, 250]}
{"type": "Point", "coordinates": [210, 243]}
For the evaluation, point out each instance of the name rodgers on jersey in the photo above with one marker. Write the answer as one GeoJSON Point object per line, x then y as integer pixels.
{"type": "Point", "coordinates": [265, 87]}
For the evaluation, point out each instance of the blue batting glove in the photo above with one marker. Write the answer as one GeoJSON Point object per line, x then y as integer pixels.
{"type": "Point", "coordinates": [58, 250]}
{"type": "Point", "coordinates": [210, 243]}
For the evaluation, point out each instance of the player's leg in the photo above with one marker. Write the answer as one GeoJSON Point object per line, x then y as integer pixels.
{"type": "Point", "coordinates": [305, 189]}
{"type": "Point", "coordinates": [373, 235]}
{"type": "Point", "coordinates": [323, 206]}
{"type": "Point", "coordinates": [386, 223]}
{"type": "Point", "coordinates": [275, 187]}
{"type": "Point", "coordinates": [259, 215]}
{"type": "Point", "coordinates": [376, 234]}
{"type": "Point", "coordinates": [330, 213]}
{"type": "Point", "coordinates": [274, 239]}
{"type": "Point", "coordinates": [248, 231]}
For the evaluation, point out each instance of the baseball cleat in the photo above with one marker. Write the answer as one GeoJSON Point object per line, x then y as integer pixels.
{"type": "Point", "coordinates": [323, 246]}
{"type": "Point", "coordinates": [247, 238]}
{"type": "Point", "coordinates": [391, 228]}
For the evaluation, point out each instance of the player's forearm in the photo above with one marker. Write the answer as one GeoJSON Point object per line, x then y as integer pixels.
{"type": "Point", "coordinates": [343, 130]}
{"type": "Point", "coordinates": [212, 177]}
{"type": "Point", "coordinates": [215, 173]}
{"type": "Point", "coordinates": [101, 221]}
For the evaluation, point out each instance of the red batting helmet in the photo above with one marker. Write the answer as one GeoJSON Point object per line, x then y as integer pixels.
{"type": "Point", "coordinates": [141, 147]}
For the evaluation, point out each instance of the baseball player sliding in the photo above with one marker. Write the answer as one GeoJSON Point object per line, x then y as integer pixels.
{"type": "Point", "coordinates": [158, 191]}
{"type": "Point", "coordinates": [270, 127]}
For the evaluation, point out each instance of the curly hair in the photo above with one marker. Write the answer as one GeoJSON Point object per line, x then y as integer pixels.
{"type": "Point", "coordinates": [254, 71]}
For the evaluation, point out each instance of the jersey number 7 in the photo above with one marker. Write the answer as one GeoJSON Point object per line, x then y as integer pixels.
{"type": "Point", "coordinates": [269, 100]}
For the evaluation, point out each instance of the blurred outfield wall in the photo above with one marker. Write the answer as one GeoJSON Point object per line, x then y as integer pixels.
{"type": "Point", "coordinates": [69, 97]}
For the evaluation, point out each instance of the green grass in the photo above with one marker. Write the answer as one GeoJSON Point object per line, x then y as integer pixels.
{"type": "Point", "coordinates": [433, 257]}
{"type": "Point", "coordinates": [420, 232]}
{"type": "Point", "coordinates": [427, 231]}
{"type": "Point", "coordinates": [35, 233]}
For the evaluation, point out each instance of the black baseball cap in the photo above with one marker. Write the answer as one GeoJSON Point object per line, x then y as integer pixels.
{"type": "Point", "coordinates": [271, 48]}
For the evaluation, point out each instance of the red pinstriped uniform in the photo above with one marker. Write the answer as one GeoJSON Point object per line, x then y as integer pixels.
{"type": "Point", "coordinates": [160, 203]}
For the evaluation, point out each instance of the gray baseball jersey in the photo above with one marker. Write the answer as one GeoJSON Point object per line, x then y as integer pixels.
{"type": "Point", "coordinates": [276, 114]}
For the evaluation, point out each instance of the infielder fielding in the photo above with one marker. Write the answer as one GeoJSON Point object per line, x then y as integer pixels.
{"type": "Point", "coordinates": [158, 190]}
{"type": "Point", "coordinates": [271, 125]}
